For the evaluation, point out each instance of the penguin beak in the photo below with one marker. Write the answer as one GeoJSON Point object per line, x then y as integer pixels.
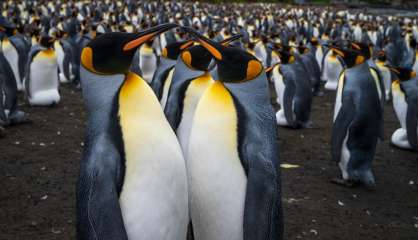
{"type": "Point", "coordinates": [186, 45]}
{"type": "Point", "coordinates": [338, 51]}
{"type": "Point", "coordinates": [147, 35]}
{"type": "Point", "coordinates": [227, 41]}
{"type": "Point", "coordinates": [212, 47]}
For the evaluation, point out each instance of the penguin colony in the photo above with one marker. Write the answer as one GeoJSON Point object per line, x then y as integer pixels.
{"type": "Point", "coordinates": [181, 135]}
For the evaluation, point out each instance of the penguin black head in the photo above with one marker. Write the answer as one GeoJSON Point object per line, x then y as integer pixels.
{"type": "Point", "coordinates": [7, 27]}
{"type": "Point", "coordinates": [46, 41]}
{"type": "Point", "coordinates": [403, 74]}
{"type": "Point", "coordinates": [364, 48]}
{"type": "Point", "coordinates": [351, 57]}
{"type": "Point", "coordinates": [198, 57]}
{"type": "Point", "coordinates": [112, 53]}
{"type": "Point", "coordinates": [285, 54]}
{"type": "Point", "coordinates": [173, 50]}
{"type": "Point", "coordinates": [381, 56]}
{"type": "Point", "coordinates": [234, 64]}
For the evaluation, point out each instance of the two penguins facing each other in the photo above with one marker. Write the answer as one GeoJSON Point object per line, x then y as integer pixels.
{"type": "Point", "coordinates": [228, 182]}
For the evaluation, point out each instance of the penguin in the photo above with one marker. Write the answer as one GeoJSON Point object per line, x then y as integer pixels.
{"type": "Point", "coordinates": [127, 188]}
{"type": "Point", "coordinates": [161, 80]}
{"type": "Point", "coordinates": [9, 112]}
{"type": "Point", "coordinates": [332, 69]}
{"type": "Point", "coordinates": [41, 81]}
{"type": "Point", "coordinates": [192, 75]}
{"type": "Point", "coordinates": [384, 73]}
{"type": "Point", "coordinates": [294, 92]}
{"type": "Point", "coordinates": [358, 118]}
{"type": "Point", "coordinates": [64, 51]}
{"type": "Point", "coordinates": [15, 50]}
{"type": "Point", "coordinates": [147, 61]}
{"type": "Point", "coordinates": [308, 59]}
{"type": "Point", "coordinates": [405, 104]}
{"type": "Point", "coordinates": [232, 161]}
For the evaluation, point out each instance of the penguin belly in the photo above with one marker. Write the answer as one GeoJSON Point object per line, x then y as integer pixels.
{"type": "Point", "coordinates": [191, 98]}
{"type": "Point", "coordinates": [345, 158]}
{"type": "Point", "coordinates": [43, 82]}
{"type": "Point", "coordinates": [332, 70]}
{"type": "Point", "coordinates": [154, 194]}
{"type": "Point", "coordinates": [399, 137]}
{"type": "Point", "coordinates": [279, 86]}
{"type": "Point", "coordinates": [166, 88]}
{"type": "Point", "coordinates": [147, 63]}
{"type": "Point", "coordinates": [12, 57]}
{"type": "Point", "coordinates": [387, 81]}
{"type": "Point", "coordinates": [319, 54]}
{"type": "Point", "coordinates": [217, 181]}
{"type": "Point", "coordinates": [415, 66]}
{"type": "Point", "coordinates": [60, 60]}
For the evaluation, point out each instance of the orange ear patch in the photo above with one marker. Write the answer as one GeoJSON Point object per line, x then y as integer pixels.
{"type": "Point", "coordinates": [164, 52]}
{"type": "Point", "coordinates": [87, 60]}
{"type": "Point", "coordinates": [359, 60]}
{"type": "Point", "coordinates": [254, 69]}
{"type": "Point", "coordinates": [187, 58]}
{"type": "Point", "coordinates": [413, 74]}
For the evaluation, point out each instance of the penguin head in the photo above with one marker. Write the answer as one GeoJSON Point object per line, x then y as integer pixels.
{"type": "Point", "coordinates": [381, 56]}
{"type": "Point", "coordinates": [351, 57]}
{"type": "Point", "coordinates": [7, 27]}
{"type": "Point", "coordinates": [173, 50]}
{"type": "Point", "coordinates": [403, 74]}
{"type": "Point", "coordinates": [112, 53]}
{"type": "Point", "coordinates": [199, 58]}
{"type": "Point", "coordinates": [285, 54]}
{"type": "Point", "coordinates": [364, 48]}
{"type": "Point", "coordinates": [46, 41]}
{"type": "Point", "coordinates": [233, 64]}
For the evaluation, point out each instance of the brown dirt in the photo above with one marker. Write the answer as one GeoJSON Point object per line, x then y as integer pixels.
{"type": "Point", "coordinates": [39, 167]}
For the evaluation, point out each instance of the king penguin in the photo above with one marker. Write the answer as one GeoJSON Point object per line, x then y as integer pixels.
{"type": "Point", "coordinates": [232, 161]}
{"type": "Point", "coordinates": [9, 113]}
{"type": "Point", "coordinates": [332, 68]}
{"type": "Point", "coordinates": [191, 77]}
{"type": "Point", "coordinates": [128, 188]}
{"type": "Point", "coordinates": [294, 92]}
{"type": "Point", "coordinates": [41, 81]}
{"type": "Point", "coordinates": [15, 49]}
{"type": "Point", "coordinates": [405, 103]}
{"type": "Point", "coordinates": [147, 60]}
{"type": "Point", "coordinates": [358, 118]}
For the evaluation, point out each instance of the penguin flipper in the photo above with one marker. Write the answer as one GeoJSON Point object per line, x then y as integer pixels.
{"type": "Point", "coordinates": [289, 93]}
{"type": "Point", "coordinates": [340, 127]}
{"type": "Point", "coordinates": [411, 124]}
{"type": "Point", "coordinates": [99, 215]}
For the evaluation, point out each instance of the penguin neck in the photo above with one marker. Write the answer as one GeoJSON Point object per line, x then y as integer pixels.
{"type": "Point", "coordinates": [100, 98]}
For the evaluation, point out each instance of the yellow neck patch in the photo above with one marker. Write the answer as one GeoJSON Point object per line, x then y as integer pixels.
{"type": "Point", "coordinates": [254, 69]}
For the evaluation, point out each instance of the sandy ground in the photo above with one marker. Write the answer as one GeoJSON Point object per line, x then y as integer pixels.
{"type": "Point", "coordinates": [39, 167]}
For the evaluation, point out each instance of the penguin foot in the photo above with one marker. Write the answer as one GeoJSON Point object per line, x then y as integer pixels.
{"type": "Point", "coordinates": [343, 182]}
{"type": "Point", "coordinates": [19, 117]}
{"type": "Point", "coordinates": [308, 124]}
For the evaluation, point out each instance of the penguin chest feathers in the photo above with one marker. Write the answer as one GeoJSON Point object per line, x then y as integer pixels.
{"type": "Point", "coordinates": [155, 185]}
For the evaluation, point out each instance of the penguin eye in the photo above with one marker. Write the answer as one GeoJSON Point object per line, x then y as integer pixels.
{"type": "Point", "coordinates": [254, 69]}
